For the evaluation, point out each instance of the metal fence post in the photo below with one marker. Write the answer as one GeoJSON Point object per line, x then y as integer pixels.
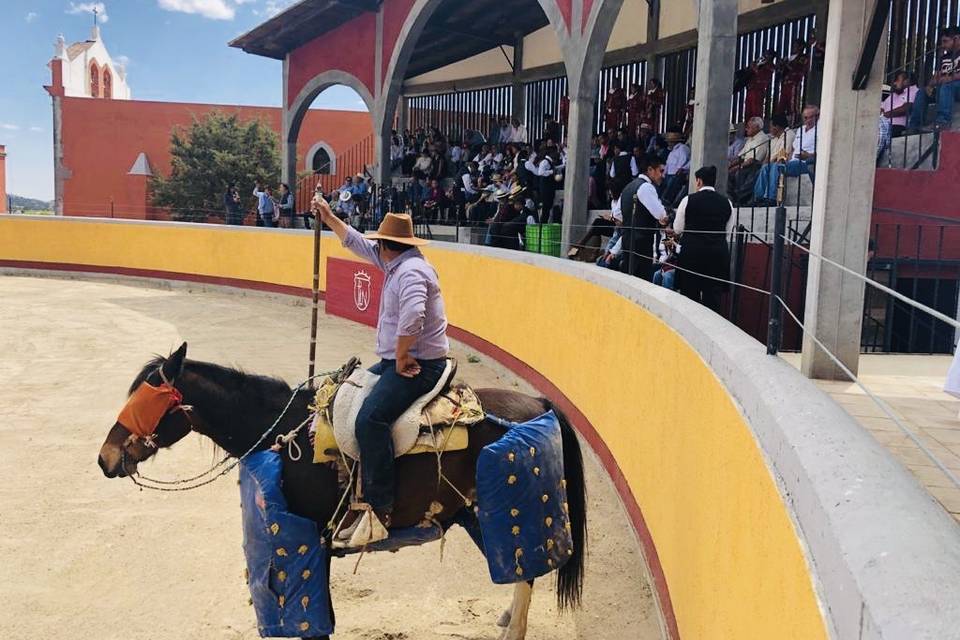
{"type": "Point", "coordinates": [775, 322]}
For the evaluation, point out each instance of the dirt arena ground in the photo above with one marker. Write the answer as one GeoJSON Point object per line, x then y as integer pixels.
{"type": "Point", "coordinates": [84, 557]}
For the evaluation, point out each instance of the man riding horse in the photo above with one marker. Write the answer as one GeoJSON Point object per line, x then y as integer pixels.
{"type": "Point", "coordinates": [412, 346]}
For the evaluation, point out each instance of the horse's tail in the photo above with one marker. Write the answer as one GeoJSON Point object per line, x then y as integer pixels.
{"type": "Point", "coordinates": [570, 576]}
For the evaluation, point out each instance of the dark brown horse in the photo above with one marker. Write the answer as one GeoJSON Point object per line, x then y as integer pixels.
{"type": "Point", "coordinates": [234, 408]}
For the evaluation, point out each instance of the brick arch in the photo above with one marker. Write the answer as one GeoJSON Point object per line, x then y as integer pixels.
{"type": "Point", "coordinates": [317, 85]}
{"type": "Point", "coordinates": [297, 108]}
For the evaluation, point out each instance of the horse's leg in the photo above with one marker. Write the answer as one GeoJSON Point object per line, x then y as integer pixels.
{"type": "Point", "coordinates": [517, 625]}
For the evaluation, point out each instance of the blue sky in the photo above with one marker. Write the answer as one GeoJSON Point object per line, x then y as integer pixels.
{"type": "Point", "coordinates": [176, 50]}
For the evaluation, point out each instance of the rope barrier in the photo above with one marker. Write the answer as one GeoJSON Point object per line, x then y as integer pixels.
{"type": "Point", "coordinates": [696, 273]}
{"type": "Point", "coordinates": [896, 294]}
{"type": "Point", "coordinates": [878, 401]}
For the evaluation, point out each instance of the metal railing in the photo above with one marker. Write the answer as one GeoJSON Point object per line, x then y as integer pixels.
{"type": "Point", "coordinates": [351, 162]}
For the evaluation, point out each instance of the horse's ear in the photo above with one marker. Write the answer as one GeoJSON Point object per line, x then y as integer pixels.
{"type": "Point", "coordinates": [173, 366]}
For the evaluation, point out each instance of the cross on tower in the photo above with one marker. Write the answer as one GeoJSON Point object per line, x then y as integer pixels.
{"type": "Point", "coordinates": [95, 12]}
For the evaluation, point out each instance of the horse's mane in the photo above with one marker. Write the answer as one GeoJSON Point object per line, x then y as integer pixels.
{"type": "Point", "coordinates": [224, 377]}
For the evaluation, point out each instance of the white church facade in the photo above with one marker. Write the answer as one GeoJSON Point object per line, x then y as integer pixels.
{"type": "Point", "coordinates": [89, 71]}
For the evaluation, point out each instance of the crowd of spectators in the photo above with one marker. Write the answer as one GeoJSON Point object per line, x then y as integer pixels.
{"type": "Point", "coordinates": [476, 178]}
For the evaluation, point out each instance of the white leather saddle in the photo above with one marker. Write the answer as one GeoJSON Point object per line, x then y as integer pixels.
{"type": "Point", "coordinates": [406, 430]}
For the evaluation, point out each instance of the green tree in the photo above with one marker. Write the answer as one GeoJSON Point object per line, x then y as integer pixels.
{"type": "Point", "coordinates": [213, 152]}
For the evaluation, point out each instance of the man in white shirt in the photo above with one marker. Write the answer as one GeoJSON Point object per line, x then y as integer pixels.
{"type": "Point", "coordinates": [704, 221]}
{"type": "Point", "coordinates": [519, 131]}
{"type": "Point", "coordinates": [802, 159]}
{"type": "Point", "coordinates": [745, 167]}
{"type": "Point", "coordinates": [643, 215]}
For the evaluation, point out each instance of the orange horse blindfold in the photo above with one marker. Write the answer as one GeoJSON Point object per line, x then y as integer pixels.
{"type": "Point", "coordinates": [146, 408]}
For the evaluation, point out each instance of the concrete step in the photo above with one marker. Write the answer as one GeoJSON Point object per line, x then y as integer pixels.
{"type": "Point", "coordinates": [905, 152]}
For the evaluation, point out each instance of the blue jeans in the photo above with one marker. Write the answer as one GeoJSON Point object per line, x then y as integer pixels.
{"type": "Point", "coordinates": [769, 178]}
{"type": "Point", "coordinates": [664, 278]}
{"type": "Point", "coordinates": [390, 398]}
{"type": "Point", "coordinates": [944, 96]}
{"type": "Point", "coordinates": [614, 264]}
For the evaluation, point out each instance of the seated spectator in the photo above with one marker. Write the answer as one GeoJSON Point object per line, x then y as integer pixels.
{"type": "Point", "coordinates": [802, 160]}
{"type": "Point", "coordinates": [519, 132]}
{"type": "Point", "coordinates": [745, 167]}
{"type": "Point", "coordinates": [610, 259]}
{"type": "Point", "coordinates": [943, 86]}
{"type": "Point", "coordinates": [883, 138]}
{"type": "Point", "coordinates": [897, 106]}
{"type": "Point", "coordinates": [507, 227]}
{"type": "Point", "coordinates": [668, 255]}
{"type": "Point", "coordinates": [678, 167]}
{"type": "Point", "coordinates": [736, 143]}
{"type": "Point", "coordinates": [434, 201]}
{"type": "Point", "coordinates": [346, 207]}
{"type": "Point", "coordinates": [439, 167]}
{"type": "Point", "coordinates": [781, 139]}
{"type": "Point", "coordinates": [423, 166]}
{"type": "Point", "coordinates": [604, 225]}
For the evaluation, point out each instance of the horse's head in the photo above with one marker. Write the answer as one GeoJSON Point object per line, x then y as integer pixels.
{"type": "Point", "coordinates": [153, 417]}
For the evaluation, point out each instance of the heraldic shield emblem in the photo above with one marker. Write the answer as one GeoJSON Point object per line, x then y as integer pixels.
{"type": "Point", "coordinates": [361, 290]}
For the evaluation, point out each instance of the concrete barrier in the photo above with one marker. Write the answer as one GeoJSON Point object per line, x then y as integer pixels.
{"type": "Point", "coordinates": [763, 509]}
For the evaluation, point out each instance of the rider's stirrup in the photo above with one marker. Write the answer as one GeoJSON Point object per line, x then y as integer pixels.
{"type": "Point", "coordinates": [366, 529]}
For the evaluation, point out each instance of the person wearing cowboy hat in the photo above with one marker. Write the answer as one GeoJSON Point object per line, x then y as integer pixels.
{"type": "Point", "coordinates": [507, 227]}
{"type": "Point", "coordinates": [412, 346]}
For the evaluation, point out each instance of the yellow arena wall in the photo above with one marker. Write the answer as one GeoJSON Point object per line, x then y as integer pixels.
{"type": "Point", "coordinates": [733, 563]}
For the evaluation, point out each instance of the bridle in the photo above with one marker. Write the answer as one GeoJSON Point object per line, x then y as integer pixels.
{"type": "Point", "coordinates": [146, 432]}
{"type": "Point", "coordinates": [220, 468]}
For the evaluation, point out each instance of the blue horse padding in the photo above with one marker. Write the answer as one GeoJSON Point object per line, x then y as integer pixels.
{"type": "Point", "coordinates": [286, 561]}
{"type": "Point", "coordinates": [522, 502]}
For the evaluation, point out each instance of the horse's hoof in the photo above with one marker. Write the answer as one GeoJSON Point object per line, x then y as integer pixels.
{"type": "Point", "coordinates": [504, 620]}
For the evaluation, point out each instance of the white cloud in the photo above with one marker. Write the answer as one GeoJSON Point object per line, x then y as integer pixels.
{"type": "Point", "coordinates": [214, 9]}
{"type": "Point", "coordinates": [6, 126]}
{"type": "Point", "coordinates": [37, 129]}
{"type": "Point", "coordinates": [31, 16]}
{"type": "Point", "coordinates": [273, 7]}
{"type": "Point", "coordinates": [89, 7]}
{"type": "Point", "coordinates": [123, 61]}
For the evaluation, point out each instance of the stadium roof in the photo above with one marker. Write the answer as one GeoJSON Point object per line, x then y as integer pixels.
{"type": "Point", "coordinates": [455, 31]}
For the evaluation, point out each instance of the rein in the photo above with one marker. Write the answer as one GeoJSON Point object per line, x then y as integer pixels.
{"type": "Point", "coordinates": [176, 485]}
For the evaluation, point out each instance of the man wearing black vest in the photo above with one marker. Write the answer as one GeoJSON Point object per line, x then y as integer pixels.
{"type": "Point", "coordinates": [703, 223]}
{"type": "Point", "coordinates": [643, 215]}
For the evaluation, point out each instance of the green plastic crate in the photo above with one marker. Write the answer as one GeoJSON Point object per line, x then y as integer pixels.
{"type": "Point", "coordinates": [543, 238]}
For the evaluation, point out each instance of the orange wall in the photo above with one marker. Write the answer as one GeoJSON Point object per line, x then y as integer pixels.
{"type": "Point", "coordinates": [3, 179]}
{"type": "Point", "coordinates": [102, 139]}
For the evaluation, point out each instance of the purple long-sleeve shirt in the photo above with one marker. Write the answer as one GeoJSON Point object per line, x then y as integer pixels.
{"type": "Point", "coordinates": [410, 305]}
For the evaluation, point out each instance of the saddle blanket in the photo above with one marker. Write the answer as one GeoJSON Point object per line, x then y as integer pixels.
{"type": "Point", "coordinates": [287, 563]}
{"type": "Point", "coordinates": [522, 502]}
{"type": "Point", "coordinates": [437, 421]}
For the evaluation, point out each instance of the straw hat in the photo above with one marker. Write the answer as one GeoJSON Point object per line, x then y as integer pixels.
{"type": "Point", "coordinates": [345, 196]}
{"type": "Point", "coordinates": [397, 227]}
